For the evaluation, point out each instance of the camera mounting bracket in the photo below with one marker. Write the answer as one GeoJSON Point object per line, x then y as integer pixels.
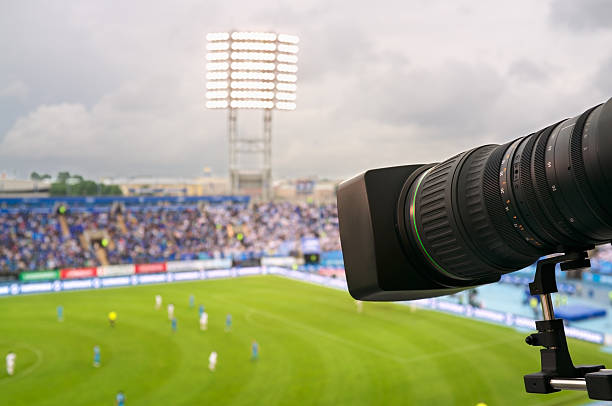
{"type": "Point", "coordinates": [558, 371]}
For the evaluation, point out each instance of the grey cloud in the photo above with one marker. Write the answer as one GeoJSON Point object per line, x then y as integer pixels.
{"type": "Point", "coordinates": [117, 88]}
{"type": "Point", "coordinates": [455, 96]}
{"type": "Point", "coordinates": [602, 82]}
{"type": "Point", "coordinates": [526, 71]}
{"type": "Point", "coordinates": [585, 15]}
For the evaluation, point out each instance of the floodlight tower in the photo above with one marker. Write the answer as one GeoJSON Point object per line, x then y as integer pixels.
{"type": "Point", "coordinates": [251, 70]}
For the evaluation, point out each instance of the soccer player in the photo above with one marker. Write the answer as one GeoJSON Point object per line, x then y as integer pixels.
{"type": "Point", "coordinates": [170, 311]}
{"type": "Point", "coordinates": [201, 310]}
{"type": "Point", "coordinates": [254, 351]}
{"type": "Point", "coordinates": [96, 360]}
{"type": "Point", "coordinates": [120, 398]}
{"type": "Point", "coordinates": [228, 322]}
{"type": "Point", "coordinates": [204, 321]}
{"type": "Point", "coordinates": [158, 302]}
{"type": "Point", "coordinates": [10, 363]}
{"type": "Point", "coordinates": [60, 313]}
{"type": "Point", "coordinates": [112, 318]}
{"type": "Point", "coordinates": [212, 361]}
{"type": "Point", "coordinates": [191, 301]}
{"type": "Point", "coordinates": [174, 324]}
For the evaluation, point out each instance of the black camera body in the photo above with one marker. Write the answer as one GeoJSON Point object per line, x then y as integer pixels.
{"type": "Point", "coordinates": [380, 265]}
{"type": "Point", "coordinates": [419, 231]}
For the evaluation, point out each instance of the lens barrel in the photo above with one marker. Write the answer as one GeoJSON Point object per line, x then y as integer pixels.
{"type": "Point", "coordinates": [498, 208]}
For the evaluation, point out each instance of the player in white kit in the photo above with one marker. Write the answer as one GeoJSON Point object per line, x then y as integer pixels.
{"type": "Point", "coordinates": [170, 311]}
{"type": "Point", "coordinates": [10, 363]}
{"type": "Point", "coordinates": [158, 302]}
{"type": "Point", "coordinates": [204, 321]}
{"type": "Point", "coordinates": [212, 361]}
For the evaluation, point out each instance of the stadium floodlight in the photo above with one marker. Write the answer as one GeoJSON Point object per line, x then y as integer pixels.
{"type": "Point", "coordinates": [253, 85]}
{"type": "Point", "coordinates": [287, 58]}
{"type": "Point", "coordinates": [217, 36]}
{"type": "Point", "coordinates": [290, 39]}
{"type": "Point", "coordinates": [251, 70]}
{"type": "Point", "coordinates": [218, 46]}
{"type": "Point", "coordinates": [216, 85]}
{"type": "Point", "coordinates": [218, 56]}
{"type": "Point", "coordinates": [253, 46]}
{"type": "Point", "coordinates": [217, 66]}
{"type": "Point", "coordinates": [286, 87]}
{"type": "Point", "coordinates": [291, 49]}
{"type": "Point", "coordinates": [253, 75]}
{"type": "Point", "coordinates": [286, 78]}
{"type": "Point", "coordinates": [285, 106]}
{"type": "Point", "coordinates": [253, 56]}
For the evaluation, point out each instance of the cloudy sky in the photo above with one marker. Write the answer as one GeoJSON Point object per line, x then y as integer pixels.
{"type": "Point", "coordinates": [116, 88]}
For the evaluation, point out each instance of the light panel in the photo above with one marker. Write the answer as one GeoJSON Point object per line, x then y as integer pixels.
{"type": "Point", "coordinates": [217, 94]}
{"type": "Point", "coordinates": [217, 56]}
{"type": "Point", "coordinates": [217, 104]}
{"type": "Point", "coordinates": [285, 96]}
{"type": "Point", "coordinates": [217, 46]}
{"type": "Point", "coordinates": [253, 46]}
{"type": "Point", "coordinates": [252, 66]}
{"type": "Point", "coordinates": [253, 75]}
{"type": "Point", "coordinates": [253, 56]}
{"type": "Point", "coordinates": [285, 77]}
{"type": "Point", "coordinates": [217, 75]}
{"type": "Point", "coordinates": [290, 49]}
{"type": "Point", "coordinates": [291, 39]}
{"type": "Point", "coordinates": [283, 67]}
{"type": "Point", "coordinates": [286, 87]}
{"type": "Point", "coordinates": [251, 94]}
{"type": "Point", "coordinates": [217, 36]}
{"type": "Point", "coordinates": [255, 70]}
{"type": "Point", "coordinates": [217, 66]}
{"type": "Point", "coordinates": [254, 36]}
{"type": "Point", "coordinates": [216, 85]}
{"type": "Point", "coordinates": [285, 106]}
{"type": "Point", "coordinates": [252, 104]}
{"type": "Point", "coordinates": [253, 85]}
{"type": "Point", "coordinates": [287, 58]}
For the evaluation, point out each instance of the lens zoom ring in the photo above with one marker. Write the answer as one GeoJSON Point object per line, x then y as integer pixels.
{"type": "Point", "coordinates": [542, 190]}
{"type": "Point", "coordinates": [437, 224]}
{"type": "Point", "coordinates": [577, 160]}
{"type": "Point", "coordinates": [476, 219]}
{"type": "Point", "coordinates": [539, 222]}
{"type": "Point", "coordinates": [495, 207]}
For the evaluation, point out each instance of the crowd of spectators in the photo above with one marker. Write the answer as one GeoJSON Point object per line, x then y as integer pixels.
{"type": "Point", "coordinates": [31, 241]}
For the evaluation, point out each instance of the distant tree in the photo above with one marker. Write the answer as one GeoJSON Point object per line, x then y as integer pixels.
{"type": "Point", "coordinates": [77, 185]}
{"type": "Point", "coordinates": [62, 177]}
{"type": "Point", "coordinates": [36, 176]}
{"type": "Point", "coordinates": [58, 189]}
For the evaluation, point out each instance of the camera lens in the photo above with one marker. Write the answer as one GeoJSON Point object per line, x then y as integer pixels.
{"type": "Point", "coordinates": [498, 208]}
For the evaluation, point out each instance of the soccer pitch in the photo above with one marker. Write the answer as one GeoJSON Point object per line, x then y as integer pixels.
{"type": "Point", "coordinates": [315, 349]}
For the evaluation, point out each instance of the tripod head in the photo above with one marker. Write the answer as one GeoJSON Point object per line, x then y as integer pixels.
{"type": "Point", "coordinates": [558, 371]}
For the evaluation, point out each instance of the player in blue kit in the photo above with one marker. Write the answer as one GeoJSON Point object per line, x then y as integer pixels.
{"type": "Point", "coordinates": [174, 326]}
{"type": "Point", "coordinates": [228, 322]}
{"type": "Point", "coordinates": [60, 313]}
{"type": "Point", "coordinates": [201, 310]}
{"type": "Point", "coordinates": [254, 351]}
{"type": "Point", "coordinates": [120, 399]}
{"type": "Point", "coordinates": [191, 301]}
{"type": "Point", "coordinates": [96, 358]}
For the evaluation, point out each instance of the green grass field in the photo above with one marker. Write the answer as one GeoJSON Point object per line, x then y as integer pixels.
{"type": "Point", "coordinates": [315, 349]}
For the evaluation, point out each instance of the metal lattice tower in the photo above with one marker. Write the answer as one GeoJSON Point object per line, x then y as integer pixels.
{"type": "Point", "coordinates": [251, 70]}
